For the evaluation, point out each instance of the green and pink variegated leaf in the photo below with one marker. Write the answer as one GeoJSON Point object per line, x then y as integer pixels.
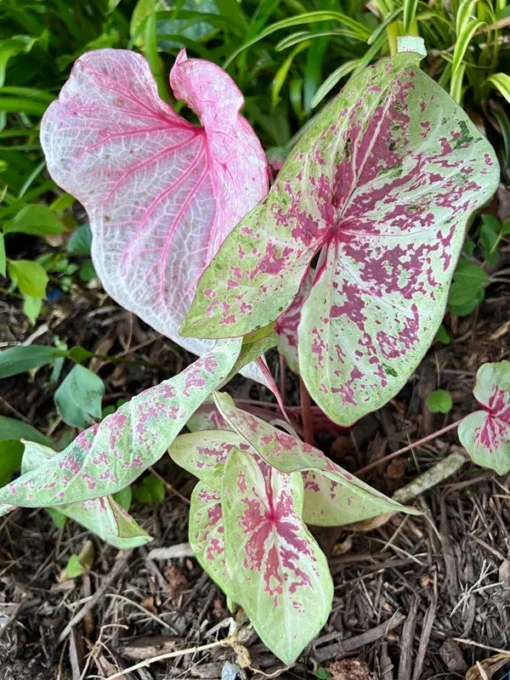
{"type": "Point", "coordinates": [207, 535]}
{"type": "Point", "coordinates": [161, 194]}
{"type": "Point", "coordinates": [207, 417]}
{"type": "Point", "coordinates": [287, 324]}
{"type": "Point", "coordinates": [485, 434]}
{"type": "Point", "coordinates": [338, 499]}
{"type": "Point", "coordinates": [106, 518]}
{"type": "Point", "coordinates": [278, 573]}
{"type": "Point", "coordinates": [110, 455]}
{"type": "Point", "coordinates": [379, 189]}
{"type": "Point", "coordinates": [205, 453]}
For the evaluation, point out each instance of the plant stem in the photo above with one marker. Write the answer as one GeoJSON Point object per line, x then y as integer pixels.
{"type": "Point", "coordinates": [414, 445]}
{"type": "Point", "coordinates": [306, 414]}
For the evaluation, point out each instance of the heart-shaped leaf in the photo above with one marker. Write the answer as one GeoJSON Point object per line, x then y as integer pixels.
{"type": "Point", "coordinates": [332, 495]}
{"type": "Point", "coordinates": [485, 434]}
{"type": "Point", "coordinates": [278, 573]}
{"type": "Point", "coordinates": [161, 194]}
{"type": "Point", "coordinates": [103, 516]}
{"type": "Point", "coordinates": [207, 535]}
{"type": "Point", "coordinates": [110, 455]}
{"type": "Point", "coordinates": [380, 188]}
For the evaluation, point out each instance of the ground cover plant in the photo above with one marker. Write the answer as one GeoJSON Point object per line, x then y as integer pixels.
{"type": "Point", "coordinates": [339, 254]}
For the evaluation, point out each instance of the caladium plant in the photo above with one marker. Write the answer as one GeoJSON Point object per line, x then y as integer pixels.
{"type": "Point", "coordinates": [258, 488]}
{"type": "Point", "coordinates": [380, 190]}
{"type": "Point", "coordinates": [348, 260]}
{"type": "Point", "coordinates": [485, 434]}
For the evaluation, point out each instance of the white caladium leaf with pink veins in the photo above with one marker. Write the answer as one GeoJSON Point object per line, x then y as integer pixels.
{"type": "Point", "coordinates": [278, 573]}
{"type": "Point", "coordinates": [485, 434]}
{"type": "Point", "coordinates": [380, 189]}
{"type": "Point", "coordinates": [333, 496]}
{"type": "Point", "coordinates": [207, 535]}
{"type": "Point", "coordinates": [161, 194]}
{"type": "Point", "coordinates": [110, 455]}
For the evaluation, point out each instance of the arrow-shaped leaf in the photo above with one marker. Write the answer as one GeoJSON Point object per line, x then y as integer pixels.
{"type": "Point", "coordinates": [380, 188]}
{"type": "Point", "coordinates": [332, 495]}
{"type": "Point", "coordinates": [278, 573]}
{"type": "Point", "coordinates": [485, 434]}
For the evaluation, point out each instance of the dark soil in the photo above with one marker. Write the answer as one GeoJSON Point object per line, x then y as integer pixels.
{"type": "Point", "coordinates": [422, 597]}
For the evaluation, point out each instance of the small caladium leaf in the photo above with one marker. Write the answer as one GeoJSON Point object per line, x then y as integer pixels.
{"type": "Point", "coordinates": [207, 535]}
{"type": "Point", "coordinates": [339, 499]}
{"type": "Point", "coordinates": [380, 189]}
{"type": "Point", "coordinates": [278, 573]}
{"type": "Point", "coordinates": [204, 454]}
{"type": "Point", "coordinates": [112, 454]}
{"type": "Point", "coordinates": [485, 434]}
{"type": "Point", "coordinates": [161, 193]}
{"type": "Point", "coordinates": [207, 417]}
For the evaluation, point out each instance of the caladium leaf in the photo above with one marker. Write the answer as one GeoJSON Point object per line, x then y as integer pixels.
{"type": "Point", "coordinates": [207, 417]}
{"type": "Point", "coordinates": [161, 194]}
{"type": "Point", "coordinates": [485, 434]}
{"type": "Point", "coordinates": [380, 187]}
{"type": "Point", "coordinates": [278, 573]}
{"type": "Point", "coordinates": [103, 516]}
{"type": "Point", "coordinates": [207, 535]}
{"type": "Point", "coordinates": [286, 326]}
{"type": "Point", "coordinates": [204, 454]}
{"type": "Point", "coordinates": [338, 499]}
{"type": "Point", "coordinates": [110, 455]}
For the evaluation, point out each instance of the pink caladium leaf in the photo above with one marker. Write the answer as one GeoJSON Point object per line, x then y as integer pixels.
{"type": "Point", "coordinates": [161, 194]}
{"type": "Point", "coordinates": [380, 189]}
{"type": "Point", "coordinates": [110, 455]}
{"type": "Point", "coordinates": [333, 496]}
{"type": "Point", "coordinates": [485, 434]}
{"type": "Point", "coordinates": [207, 535]}
{"type": "Point", "coordinates": [104, 516]}
{"type": "Point", "coordinates": [278, 573]}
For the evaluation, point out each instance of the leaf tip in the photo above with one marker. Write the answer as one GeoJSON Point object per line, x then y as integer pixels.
{"type": "Point", "coordinates": [411, 43]}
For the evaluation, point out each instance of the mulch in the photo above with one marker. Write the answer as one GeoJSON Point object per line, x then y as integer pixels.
{"type": "Point", "coordinates": [417, 597]}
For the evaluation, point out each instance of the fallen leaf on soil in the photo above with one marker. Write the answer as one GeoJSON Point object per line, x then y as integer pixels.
{"type": "Point", "coordinates": [176, 578]}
